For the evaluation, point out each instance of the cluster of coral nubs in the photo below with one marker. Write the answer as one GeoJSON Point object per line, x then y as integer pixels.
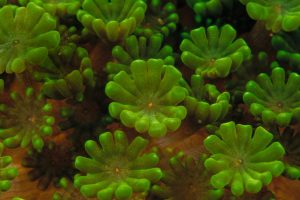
{"type": "Point", "coordinates": [149, 99]}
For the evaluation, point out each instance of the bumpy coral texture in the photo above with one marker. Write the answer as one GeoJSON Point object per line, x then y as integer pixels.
{"type": "Point", "coordinates": [7, 174]}
{"type": "Point", "coordinates": [244, 160]}
{"type": "Point", "coordinates": [113, 20]}
{"type": "Point", "coordinates": [117, 169]}
{"type": "Point", "coordinates": [205, 102]}
{"type": "Point", "coordinates": [148, 99]}
{"type": "Point", "coordinates": [276, 14]}
{"type": "Point", "coordinates": [186, 179]}
{"type": "Point", "coordinates": [27, 33]}
{"type": "Point", "coordinates": [209, 7]}
{"type": "Point", "coordinates": [26, 120]}
{"type": "Point", "coordinates": [142, 48]}
{"type": "Point", "coordinates": [274, 99]}
{"type": "Point", "coordinates": [214, 53]}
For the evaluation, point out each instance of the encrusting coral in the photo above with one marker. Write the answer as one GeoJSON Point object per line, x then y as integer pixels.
{"type": "Point", "coordinates": [142, 48]}
{"type": "Point", "coordinates": [214, 53]}
{"type": "Point", "coordinates": [244, 160]}
{"type": "Point", "coordinates": [21, 48]}
{"type": "Point", "coordinates": [113, 20]}
{"type": "Point", "coordinates": [276, 14]}
{"type": "Point", "coordinates": [205, 103]}
{"type": "Point", "coordinates": [7, 174]}
{"type": "Point", "coordinates": [148, 99]}
{"type": "Point", "coordinates": [186, 179]}
{"type": "Point", "coordinates": [26, 120]}
{"type": "Point", "coordinates": [274, 99]}
{"type": "Point", "coordinates": [117, 169]}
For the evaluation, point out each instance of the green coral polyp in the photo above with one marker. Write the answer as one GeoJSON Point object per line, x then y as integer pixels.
{"type": "Point", "coordinates": [274, 99]}
{"type": "Point", "coordinates": [117, 169]}
{"type": "Point", "coordinates": [23, 47]}
{"type": "Point", "coordinates": [186, 179]}
{"type": "Point", "coordinates": [57, 7]}
{"type": "Point", "coordinates": [209, 7]}
{"type": "Point", "coordinates": [214, 53]}
{"type": "Point", "coordinates": [67, 73]}
{"type": "Point", "coordinates": [7, 174]}
{"type": "Point", "coordinates": [139, 48]}
{"type": "Point", "coordinates": [113, 20]}
{"type": "Point", "coordinates": [26, 120]}
{"type": "Point", "coordinates": [148, 98]}
{"type": "Point", "coordinates": [277, 14]}
{"type": "Point", "coordinates": [161, 17]}
{"type": "Point", "coordinates": [288, 48]}
{"type": "Point", "coordinates": [205, 102]}
{"type": "Point", "coordinates": [244, 160]}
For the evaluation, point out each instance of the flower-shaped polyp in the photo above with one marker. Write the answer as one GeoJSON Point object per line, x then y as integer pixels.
{"type": "Point", "coordinates": [213, 52]}
{"type": "Point", "coordinates": [205, 102]}
{"type": "Point", "coordinates": [116, 170]}
{"type": "Point", "coordinates": [161, 17]}
{"type": "Point", "coordinates": [241, 159]}
{"type": "Point", "coordinates": [288, 48]}
{"type": "Point", "coordinates": [274, 100]}
{"type": "Point", "coordinates": [148, 99]}
{"type": "Point", "coordinates": [7, 174]}
{"type": "Point", "coordinates": [26, 35]}
{"type": "Point", "coordinates": [25, 119]}
{"type": "Point", "coordinates": [277, 14]}
{"type": "Point", "coordinates": [113, 20]}
{"type": "Point", "coordinates": [187, 179]}
{"type": "Point", "coordinates": [57, 7]}
{"type": "Point", "coordinates": [67, 72]}
{"type": "Point", "coordinates": [139, 48]}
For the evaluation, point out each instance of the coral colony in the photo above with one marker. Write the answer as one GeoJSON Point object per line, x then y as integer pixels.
{"type": "Point", "coordinates": [106, 97]}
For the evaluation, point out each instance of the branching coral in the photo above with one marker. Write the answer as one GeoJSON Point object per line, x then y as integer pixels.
{"type": "Point", "coordinates": [26, 119]}
{"type": "Point", "coordinates": [187, 179]}
{"type": "Point", "coordinates": [148, 100]}
{"type": "Point", "coordinates": [275, 100]}
{"type": "Point", "coordinates": [113, 20]}
{"type": "Point", "coordinates": [205, 102]}
{"type": "Point", "coordinates": [57, 7]}
{"type": "Point", "coordinates": [161, 17]}
{"type": "Point", "coordinates": [277, 14]}
{"type": "Point", "coordinates": [67, 72]}
{"type": "Point", "coordinates": [53, 163]}
{"type": "Point", "coordinates": [291, 142]}
{"type": "Point", "coordinates": [288, 48]}
{"type": "Point", "coordinates": [139, 48]}
{"type": "Point", "coordinates": [117, 169]}
{"type": "Point", "coordinates": [7, 174]}
{"type": "Point", "coordinates": [213, 52]}
{"type": "Point", "coordinates": [27, 33]}
{"type": "Point", "coordinates": [241, 159]}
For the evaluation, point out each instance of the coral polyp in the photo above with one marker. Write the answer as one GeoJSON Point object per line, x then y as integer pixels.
{"type": "Point", "coordinates": [26, 120]}
{"type": "Point", "coordinates": [274, 99]}
{"type": "Point", "coordinates": [244, 160]}
{"type": "Point", "coordinates": [112, 20]}
{"type": "Point", "coordinates": [148, 99]}
{"type": "Point", "coordinates": [214, 52]}
{"type": "Point", "coordinates": [21, 48]}
{"type": "Point", "coordinates": [117, 169]}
